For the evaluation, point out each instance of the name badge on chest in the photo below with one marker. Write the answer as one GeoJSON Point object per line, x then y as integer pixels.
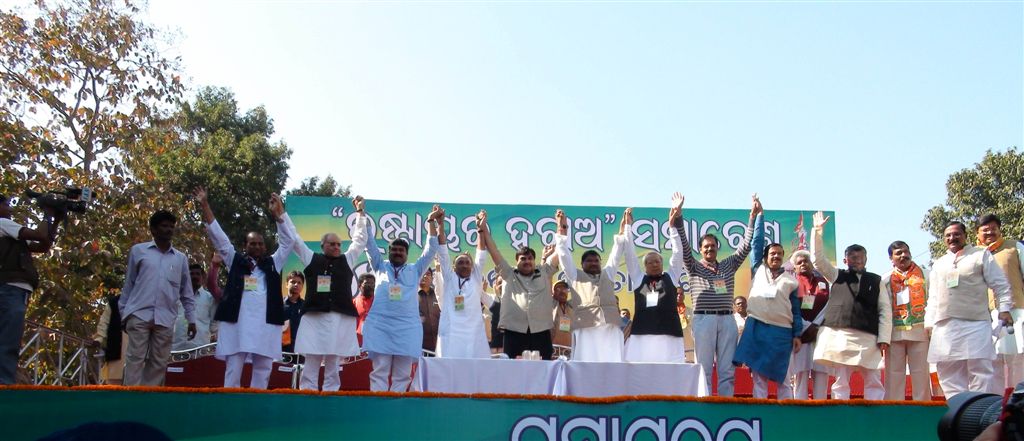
{"type": "Point", "coordinates": [395, 293]}
{"type": "Point", "coordinates": [249, 283]}
{"type": "Point", "coordinates": [953, 280]}
{"type": "Point", "coordinates": [903, 297]}
{"type": "Point", "coordinates": [652, 299]}
{"type": "Point", "coordinates": [460, 302]}
{"type": "Point", "coordinates": [720, 287]}
{"type": "Point", "coordinates": [323, 283]}
{"type": "Point", "coordinates": [564, 324]}
{"type": "Point", "coordinates": [807, 302]}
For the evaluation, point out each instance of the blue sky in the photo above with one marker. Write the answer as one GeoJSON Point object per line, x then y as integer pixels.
{"type": "Point", "coordinates": [864, 108]}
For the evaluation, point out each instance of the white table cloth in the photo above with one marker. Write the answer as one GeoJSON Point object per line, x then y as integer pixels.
{"type": "Point", "coordinates": [558, 377]}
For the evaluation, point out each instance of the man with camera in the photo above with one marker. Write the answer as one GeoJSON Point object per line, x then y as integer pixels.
{"type": "Point", "coordinates": [18, 278]}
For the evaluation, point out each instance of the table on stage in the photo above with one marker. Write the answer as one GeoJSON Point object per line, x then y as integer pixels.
{"type": "Point", "coordinates": [559, 377]}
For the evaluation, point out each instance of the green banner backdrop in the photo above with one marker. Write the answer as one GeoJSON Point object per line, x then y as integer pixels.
{"type": "Point", "coordinates": [29, 414]}
{"type": "Point", "coordinates": [515, 226]}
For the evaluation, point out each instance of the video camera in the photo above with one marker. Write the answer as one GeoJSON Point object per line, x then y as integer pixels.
{"type": "Point", "coordinates": [971, 412]}
{"type": "Point", "coordinates": [71, 199]}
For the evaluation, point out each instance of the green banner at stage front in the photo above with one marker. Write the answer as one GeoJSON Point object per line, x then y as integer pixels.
{"type": "Point", "coordinates": [29, 414]}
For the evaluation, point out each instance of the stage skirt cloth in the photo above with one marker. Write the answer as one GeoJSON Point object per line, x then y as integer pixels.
{"type": "Point", "coordinates": [646, 348]}
{"type": "Point", "coordinates": [603, 343]}
{"type": "Point", "coordinates": [327, 333]}
{"type": "Point", "coordinates": [765, 349]}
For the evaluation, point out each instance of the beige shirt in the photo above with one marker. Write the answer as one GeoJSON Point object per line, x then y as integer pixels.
{"type": "Point", "coordinates": [526, 302]}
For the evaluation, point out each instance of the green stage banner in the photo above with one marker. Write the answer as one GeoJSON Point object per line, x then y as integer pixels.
{"type": "Point", "coordinates": [30, 414]}
{"type": "Point", "coordinates": [514, 226]}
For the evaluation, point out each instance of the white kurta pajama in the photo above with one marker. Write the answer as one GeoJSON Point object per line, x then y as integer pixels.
{"type": "Point", "coordinates": [596, 335]}
{"type": "Point", "coordinates": [206, 327]}
{"type": "Point", "coordinates": [393, 332]}
{"type": "Point", "coordinates": [251, 338]}
{"type": "Point", "coordinates": [324, 337]}
{"type": "Point", "coordinates": [961, 345]}
{"type": "Point", "coordinates": [653, 348]}
{"type": "Point", "coordinates": [849, 350]}
{"type": "Point", "coordinates": [461, 331]}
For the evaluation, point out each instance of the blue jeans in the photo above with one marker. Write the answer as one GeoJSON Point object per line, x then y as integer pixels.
{"type": "Point", "coordinates": [714, 343]}
{"type": "Point", "coordinates": [12, 325]}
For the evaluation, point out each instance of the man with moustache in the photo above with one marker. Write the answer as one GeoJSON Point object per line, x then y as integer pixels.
{"type": "Point", "coordinates": [155, 279]}
{"type": "Point", "coordinates": [857, 325]}
{"type": "Point", "coordinates": [1009, 363]}
{"type": "Point", "coordinates": [251, 312]}
{"type": "Point", "coordinates": [527, 302]}
{"type": "Point", "coordinates": [327, 331]}
{"type": "Point", "coordinates": [958, 313]}
{"type": "Point", "coordinates": [596, 335]}
{"type": "Point", "coordinates": [712, 283]}
{"type": "Point", "coordinates": [393, 333]}
{"type": "Point", "coordinates": [813, 294]}
{"type": "Point", "coordinates": [907, 287]}
{"type": "Point", "coordinates": [461, 332]}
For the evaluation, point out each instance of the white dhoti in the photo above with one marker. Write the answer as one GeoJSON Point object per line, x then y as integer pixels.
{"type": "Point", "coordinates": [604, 343]}
{"type": "Point", "coordinates": [655, 349]}
{"type": "Point", "coordinates": [845, 351]}
{"type": "Point", "coordinates": [323, 338]}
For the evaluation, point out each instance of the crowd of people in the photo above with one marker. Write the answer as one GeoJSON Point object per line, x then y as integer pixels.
{"type": "Point", "coordinates": [803, 320]}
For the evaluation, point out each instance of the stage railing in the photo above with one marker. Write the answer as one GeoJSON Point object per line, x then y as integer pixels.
{"type": "Point", "coordinates": [53, 357]}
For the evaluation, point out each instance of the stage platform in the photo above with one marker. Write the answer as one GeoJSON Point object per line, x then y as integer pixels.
{"type": "Point", "coordinates": [238, 414]}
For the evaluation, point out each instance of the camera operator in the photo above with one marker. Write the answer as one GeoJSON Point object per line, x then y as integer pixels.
{"type": "Point", "coordinates": [18, 278]}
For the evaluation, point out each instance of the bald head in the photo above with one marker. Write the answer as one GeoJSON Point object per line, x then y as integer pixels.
{"type": "Point", "coordinates": [255, 247]}
{"type": "Point", "coordinates": [330, 244]}
{"type": "Point", "coordinates": [653, 264]}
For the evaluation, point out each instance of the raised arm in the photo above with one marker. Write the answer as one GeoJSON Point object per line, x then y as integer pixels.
{"type": "Point", "coordinates": [298, 245]}
{"type": "Point", "coordinates": [376, 261]}
{"type": "Point", "coordinates": [285, 240]}
{"type": "Point", "coordinates": [818, 259]}
{"type": "Point", "coordinates": [758, 242]}
{"type": "Point", "coordinates": [485, 236]}
{"type": "Point", "coordinates": [636, 275]}
{"type": "Point", "coordinates": [611, 267]}
{"type": "Point", "coordinates": [358, 233]}
{"type": "Point", "coordinates": [213, 277]}
{"type": "Point", "coordinates": [744, 248]}
{"type": "Point", "coordinates": [427, 258]}
{"type": "Point", "coordinates": [220, 241]}
{"type": "Point", "coordinates": [675, 235]}
{"type": "Point", "coordinates": [562, 251]}
{"type": "Point", "coordinates": [688, 261]}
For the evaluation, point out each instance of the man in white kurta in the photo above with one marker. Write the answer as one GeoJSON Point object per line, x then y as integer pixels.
{"type": "Point", "coordinates": [596, 335]}
{"type": "Point", "coordinates": [251, 338]}
{"type": "Point", "coordinates": [665, 344]}
{"type": "Point", "coordinates": [205, 307]}
{"type": "Point", "coordinates": [393, 333]}
{"type": "Point", "coordinates": [846, 348]}
{"type": "Point", "coordinates": [1009, 256]}
{"type": "Point", "coordinates": [461, 332]}
{"type": "Point", "coordinates": [327, 331]}
{"type": "Point", "coordinates": [958, 313]}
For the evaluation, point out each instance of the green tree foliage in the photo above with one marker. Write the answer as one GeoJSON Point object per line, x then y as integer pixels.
{"type": "Point", "coordinates": [312, 186]}
{"type": "Point", "coordinates": [994, 185]}
{"type": "Point", "coordinates": [83, 83]}
{"type": "Point", "coordinates": [231, 154]}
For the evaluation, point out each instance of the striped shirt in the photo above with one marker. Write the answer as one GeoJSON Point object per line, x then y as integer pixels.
{"type": "Point", "coordinates": [704, 275]}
